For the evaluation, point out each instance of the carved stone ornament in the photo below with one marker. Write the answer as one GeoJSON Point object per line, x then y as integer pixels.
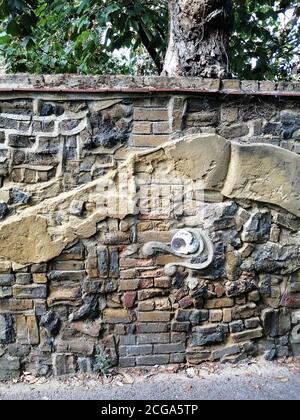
{"type": "Point", "coordinates": [193, 245]}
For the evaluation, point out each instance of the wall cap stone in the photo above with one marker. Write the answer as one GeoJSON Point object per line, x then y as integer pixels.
{"type": "Point", "coordinates": [130, 84]}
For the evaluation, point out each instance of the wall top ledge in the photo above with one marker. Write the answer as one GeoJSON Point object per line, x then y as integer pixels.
{"type": "Point", "coordinates": [149, 84]}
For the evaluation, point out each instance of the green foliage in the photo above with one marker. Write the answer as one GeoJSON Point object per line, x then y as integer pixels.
{"type": "Point", "coordinates": [129, 36]}
{"type": "Point", "coordinates": [102, 364]}
{"type": "Point", "coordinates": [265, 42]}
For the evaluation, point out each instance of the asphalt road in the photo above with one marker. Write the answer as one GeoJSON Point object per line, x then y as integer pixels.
{"type": "Point", "coordinates": [258, 381]}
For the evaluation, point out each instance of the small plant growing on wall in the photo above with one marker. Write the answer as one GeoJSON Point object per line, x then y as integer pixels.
{"type": "Point", "coordinates": [102, 364]}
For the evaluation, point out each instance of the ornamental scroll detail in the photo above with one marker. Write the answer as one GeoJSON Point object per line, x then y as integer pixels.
{"type": "Point", "coordinates": [193, 245]}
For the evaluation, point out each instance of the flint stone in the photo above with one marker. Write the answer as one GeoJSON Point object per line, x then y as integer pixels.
{"type": "Point", "coordinates": [51, 323]}
{"type": "Point", "coordinates": [18, 197]}
{"type": "Point", "coordinates": [7, 279]}
{"type": "Point", "coordinates": [209, 334]}
{"type": "Point", "coordinates": [240, 287]}
{"type": "Point", "coordinates": [72, 276]}
{"type": "Point", "coordinates": [257, 228]}
{"type": "Point", "coordinates": [7, 334]}
{"type": "Point", "coordinates": [3, 210]}
{"type": "Point", "coordinates": [247, 335]}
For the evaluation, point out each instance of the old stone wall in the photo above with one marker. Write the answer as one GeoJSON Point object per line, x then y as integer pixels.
{"type": "Point", "coordinates": [98, 175]}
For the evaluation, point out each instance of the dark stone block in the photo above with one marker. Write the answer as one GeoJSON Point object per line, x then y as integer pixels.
{"type": "Point", "coordinates": [7, 334]}
{"type": "Point", "coordinates": [18, 197]}
{"type": "Point", "coordinates": [3, 210]}
{"type": "Point", "coordinates": [17, 140]}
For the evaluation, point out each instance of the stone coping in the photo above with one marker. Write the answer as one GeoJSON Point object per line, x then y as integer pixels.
{"type": "Point", "coordinates": [153, 84]}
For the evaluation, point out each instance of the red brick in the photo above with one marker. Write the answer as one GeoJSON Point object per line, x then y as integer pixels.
{"type": "Point", "coordinates": [135, 262]}
{"type": "Point", "coordinates": [146, 283]}
{"type": "Point", "coordinates": [186, 302]}
{"type": "Point", "coordinates": [152, 273]}
{"type": "Point", "coordinates": [162, 282]}
{"type": "Point", "coordinates": [219, 290]}
{"type": "Point", "coordinates": [129, 299]}
{"type": "Point", "coordinates": [150, 114]}
{"type": "Point", "coordinates": [140, 140]}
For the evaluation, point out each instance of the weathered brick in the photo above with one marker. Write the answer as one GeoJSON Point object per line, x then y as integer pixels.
{"type": "Point", "coordinates": [152, 273]}
{"type": "Point", "coordinates": [129, 299]}
{"type": "Point", "coordinates": [64, 294]}
{"type": "Point", "coordinates": [142, 128]}
{"type": "Point", "coordinates": [245, 311]}
{"type": "Point", "coordinates": [161, 128]}
{"type": "Point", "coordinates": [149, 140]}
{"type": "Point", "coordinates": [169, 348]}
{"type": "Point", "coordinates": [116, 316]}
{"type": "Point", "coordinates": [150, 114]}
{"type": "Point", "coordinates": [22, 141]}
{"type": "Point", "coordinates": [146, 306]}
{"type": "Point", "coordinates": [139, 350]}
{"type": "Point", "coordinates": [150, 293]}
{"type": "Point", "coordinates": [128, 274]}
{"type": "Point", "coordinates": [127, 362]}
{"type": "Point", "coordinates": [236, 326]}
{"type": "Point", "coordinates": [153, 338]}
{"type": "Point", "coordinates": [225, 351]}
{"type": "Point", "coordinates": [39, 278]}
{"type": "Point", "coordinates": [186, 302]}
{"type": "Point", "coordinates": [114, 270]}
{"type": "Point", "coordinates": [252, 323]}
{"type": "Point", "coordinates": [227, 315]}
{"type": "Point", "coordinates": [216, 315]}
{"type": "Point", "coordinates": [162, 282]}
{"type": "Point", "coordinates": [41, 268]}
{"type": "Point", "coordinates": [127, 263]}
{"type": "Point", "coordinates": [7, 279]}
{"type": "Point", "coordinates": [127, 340]}
{"type": "Point", "coordinates": [132, 284]}
{"type": "Point", "coordinates": [67, 265]}
{"type": "Point", "coordinates": [146, 283]}
{"type": "Point", "coordinates": [219, 303]}
{"type": "Point", "coordinates": [180, 326]}
{"type": "Point", "coordinates": [32, 291]}
{"type": "Point", "coordinates": [153, 328]}
{"type": "Point", "coordinates": [63, 364]}
{"type": "Point", "coordinates": [23, 278]}
{"type": "Point", "coordinates": [247, 335]}
{"type": "Point", "coordinates": [154, 316]}
{"type": "Point", "coordinates": [231, 84]}
{"type": "Point", "coordinates": [20, 304]}
{"type": "Point", "coordinates": [152, 360]}
{"type": "Point", "coordinates": [178, 337]}
{"type": "Point", "coordinates": [65, 276]}
{"type": "Point", "coordinates": [33, 330]}
{"type": "Point", "coordinates": [78, 345]}
{"type": "Point", "coordinates": [177, 358]}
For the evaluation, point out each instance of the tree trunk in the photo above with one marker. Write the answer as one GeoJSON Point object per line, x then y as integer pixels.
{"type": "Point", "coordinates": [199, 35]}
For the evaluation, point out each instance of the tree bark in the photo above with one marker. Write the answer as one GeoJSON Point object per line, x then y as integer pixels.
{"type": "Point", "coordinates": [198, 39]}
